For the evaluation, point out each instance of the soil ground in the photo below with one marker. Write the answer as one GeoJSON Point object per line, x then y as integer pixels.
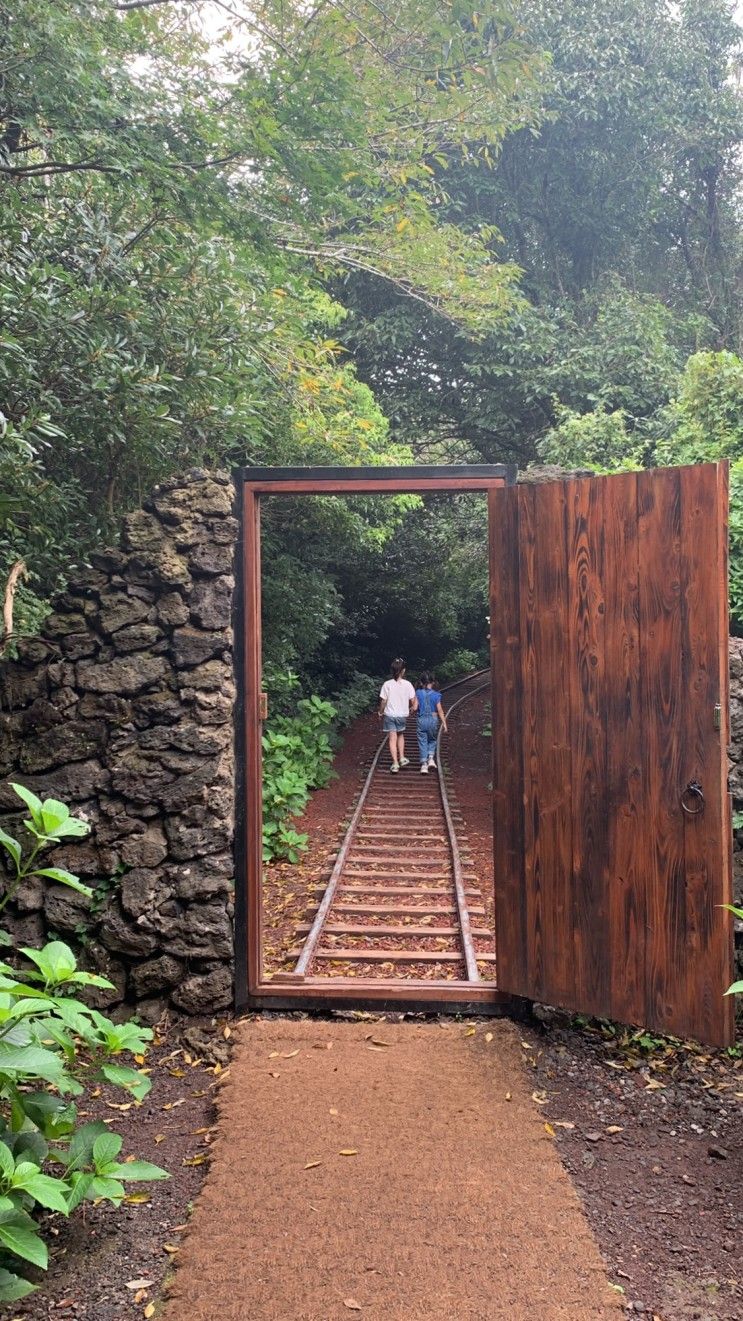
{"type": "Point", "coordinates": [652, 1135]}
{"type": "Point", "coordinates": [402, 1174]}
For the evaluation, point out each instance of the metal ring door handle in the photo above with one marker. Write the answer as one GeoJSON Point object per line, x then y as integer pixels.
{"type": "Point", "coordinates": [692, 799]}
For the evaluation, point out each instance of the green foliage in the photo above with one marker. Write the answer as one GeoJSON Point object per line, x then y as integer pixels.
{"type": "Point", "coordinates": [171, 206]}
{"type": "Point", "coordinates": [356, 697]}
{"type": "Point", "coordinates": [297, 754]}
{"type": "Point", "coordinates": [48, 823]}
{"type": "Point", "coordinates": [704, 422]}
{"type": "Point", "coordinates": [49, 1037]}
{"type": "Point", "coordinates": [598, 440]}
{"type": "Point", "coordinates": [705, 419]}
{"type": "Point", "coordinates": [457, 664]}
{"type": "Point", "coordinates": [622, 212]}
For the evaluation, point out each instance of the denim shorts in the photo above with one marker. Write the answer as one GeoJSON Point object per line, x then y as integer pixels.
{"type": "Point", "coordinates": [394, 724]}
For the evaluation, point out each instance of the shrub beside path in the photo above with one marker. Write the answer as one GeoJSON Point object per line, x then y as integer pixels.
{"type": "Point", "coordinates": [454, 1205]}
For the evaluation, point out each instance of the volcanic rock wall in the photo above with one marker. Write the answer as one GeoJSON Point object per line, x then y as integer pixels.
{"type": "Point", "coordinates": [124, 710]}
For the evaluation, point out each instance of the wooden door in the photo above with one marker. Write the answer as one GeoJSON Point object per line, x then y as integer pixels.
{"type": "Point", "coordinates": [610, 698]}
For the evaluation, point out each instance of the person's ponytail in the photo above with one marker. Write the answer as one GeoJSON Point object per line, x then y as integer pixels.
{"type": "Point", "coordinates": [397, 667]}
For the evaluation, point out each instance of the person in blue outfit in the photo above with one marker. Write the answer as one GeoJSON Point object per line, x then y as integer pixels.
{"type": "Point", "coordinates": [430, 712]}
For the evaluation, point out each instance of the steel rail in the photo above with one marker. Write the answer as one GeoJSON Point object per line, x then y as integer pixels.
{"type": "Point", "coordinates": [468, 946]}
{"type": "Point", "coordinates": [313, 936]}
{"type": "Point", "coordinates": [312, 939]}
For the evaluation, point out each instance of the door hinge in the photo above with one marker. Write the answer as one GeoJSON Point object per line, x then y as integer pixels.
{"type": "Point", "coordinates": [718, 716]}
{"type": "Point", "coordinates": [263, 707]}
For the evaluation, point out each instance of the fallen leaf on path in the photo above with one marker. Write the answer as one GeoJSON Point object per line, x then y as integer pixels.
{"type": "Point", "coordinates": [171, 1248]}
{"type": "Point", "coordinates": [196, 1160]}
{"type": "Point", "coordinates": [112, 1105]}
{"type": "Point", "coordinates": [563, 1123]}
{"type": "Point", "coordinates": [333, 1111]}
{"type": "Point", "coordinates": [508, 1096]}
{"type": "Point", "coordinates": [160, 1137]}
{"type": "Point", "coordinates": [654, 1085]}
{"type": "Point", "coordinates": [149, 1310]}
{"type": "Point", "coordinates": [139, 1284]}
{"type": "Point", "coordinates": [615, 1128]}
{"type": "Point", "coordinates": [171, 1105]}
{"type": "Point", "coordinates": [273, 1055]}
{"type": "Point", "coordinates": [274, 1075]}
{"type": "Point", "coordinates": [539, 1097]}
{"type": "Point", "coordinates": [377, 1041]}
{"type": "Point", "coordinates": [470, 1032]}
{"type": "Point", "coordinates": [348, 1151]}
{"type": "Point", "coordinates": [351, 1304]}
{"type": "Point", "coordinates": [550, 1130]}
{"type": "Point", "coordinates": [312, 1164]}
{"type": "Point", "coordinates": [289, 1054]}
{"type": "Point", "coordinates": [525, 1046]}
{"type": "Point", "coordinates": [141, 1296]}
{"type": "Point", "coordinates": [137, 1199]}
{"type": "Point", "coordinates": [488, 1036]}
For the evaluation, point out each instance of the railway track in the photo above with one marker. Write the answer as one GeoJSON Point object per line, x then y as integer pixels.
{"type": "Point", "coordinates": [402, 899]}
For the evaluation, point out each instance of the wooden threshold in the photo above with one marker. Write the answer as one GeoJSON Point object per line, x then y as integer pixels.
{"type": "Point", "coordinates": [412, 994]}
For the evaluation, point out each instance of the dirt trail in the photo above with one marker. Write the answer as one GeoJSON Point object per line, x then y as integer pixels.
{"type": "Point", "coordinates": [455, 1206]}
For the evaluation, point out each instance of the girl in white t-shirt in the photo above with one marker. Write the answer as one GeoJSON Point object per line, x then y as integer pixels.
{"type": "Point", "coordinates": [397, 701]}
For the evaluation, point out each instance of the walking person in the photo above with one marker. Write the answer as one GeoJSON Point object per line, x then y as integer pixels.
{"type": "Point", "coordinates": [396, 702]}
{"type": "Point", "coordinates": [430, 712]}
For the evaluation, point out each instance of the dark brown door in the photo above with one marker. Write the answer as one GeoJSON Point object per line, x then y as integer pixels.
{"type": "Point", "coordinates": [610, 725]}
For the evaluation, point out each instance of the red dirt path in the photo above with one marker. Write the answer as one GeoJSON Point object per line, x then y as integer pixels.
{"type": "Point", "coordinates": [449, 1204]}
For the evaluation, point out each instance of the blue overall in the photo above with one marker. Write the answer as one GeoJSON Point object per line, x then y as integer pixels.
{"type": "Point", "coordinates": [427, 727]}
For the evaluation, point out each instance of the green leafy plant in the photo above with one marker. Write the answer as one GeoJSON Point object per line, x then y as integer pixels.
{"type": "Point", "coordinates": [457, 663]}
{"type": "Point", "coordinates": [297, 755]}
{"type": "Point", "coordinates": [49, 822]}
{"type": "Point", "coordinates": [53, 1047]}
{"type": "Point", "coordinates": [357, 696]}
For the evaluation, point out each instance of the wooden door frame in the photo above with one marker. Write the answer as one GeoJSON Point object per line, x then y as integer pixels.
{"type": "Point", "coordinates": [251, 990]}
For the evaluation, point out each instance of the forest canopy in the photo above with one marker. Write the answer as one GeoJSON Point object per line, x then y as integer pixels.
{"type": "Point", "coordinates": [360, 233]}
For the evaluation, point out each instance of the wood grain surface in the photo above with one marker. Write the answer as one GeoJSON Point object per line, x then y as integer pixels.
{"type": "Point", "coordinates": [609, 894]}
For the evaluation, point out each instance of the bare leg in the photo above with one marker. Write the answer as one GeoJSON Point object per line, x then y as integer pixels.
{"type": "Point", "coordinates": [400, 746]}
{"type": "Point", "coordinates": [393, 746]}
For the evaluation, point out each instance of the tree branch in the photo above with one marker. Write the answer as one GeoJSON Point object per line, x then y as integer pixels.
{"type": "Point", "coordinates": [17, 572]}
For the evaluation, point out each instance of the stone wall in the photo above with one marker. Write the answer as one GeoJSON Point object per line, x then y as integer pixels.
{"type": "Point", "coordinates": [124, 709]}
